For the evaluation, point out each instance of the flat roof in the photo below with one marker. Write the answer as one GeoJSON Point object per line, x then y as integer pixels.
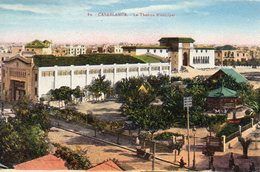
{"type": "Point", "coordinates": [84, 59]}
{"type": "Point", "coordinates": [177, 39]}
{"type": "Point", "coordinates": [146, 47]}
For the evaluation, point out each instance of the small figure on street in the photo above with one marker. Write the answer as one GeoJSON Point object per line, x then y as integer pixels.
{"type": "Point", "coordinates": [252, 167]}
{"type": "Point", "coordinates": [231, 161]}
{"type": "Point", "coordinates": [182, 163]}
{"type": "Point", "coordinates": [137, 141]}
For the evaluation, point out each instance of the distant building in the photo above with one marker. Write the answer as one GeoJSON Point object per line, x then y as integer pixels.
{"type": "Point", "coordinates": [161, 51]}
{"type": "Point", "coordinates": [3, 50]}
{"type": "Point", "coordinates": [230, 53]}
{"type": "Point", "coordinates": [179, 50]}
{"type": "Point", "coordinates": [16, 49]}
{"type": "Point", "coordinates": [75, 50]}
{"type": "Point", "coordinates": [39, 47]}
{"type": "Point", "coordinates": [59, 51]}
{"type": "Point", "coordinates": [118, 49]}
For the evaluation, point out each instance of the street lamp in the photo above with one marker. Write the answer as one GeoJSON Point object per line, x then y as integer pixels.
{"type": "Point", "coordinates": [194, 133]}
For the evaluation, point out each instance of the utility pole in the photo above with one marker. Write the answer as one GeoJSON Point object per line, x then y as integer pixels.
{"type": "Point", "coordinates": [188, 103]}
{"type": "Point", "coordinates": [188, 135]}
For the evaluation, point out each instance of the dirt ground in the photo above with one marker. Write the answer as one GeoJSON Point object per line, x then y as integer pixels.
{"type": "Point", "coordinates": [98, 152]}
{"type": "Point", "coordinates": [107, 110]}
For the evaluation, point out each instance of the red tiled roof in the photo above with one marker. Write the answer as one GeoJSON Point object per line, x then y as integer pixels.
{"type": "Point", "coordinates": [106, 166]}
{"type": "Point", "coordinates": [47, 162]}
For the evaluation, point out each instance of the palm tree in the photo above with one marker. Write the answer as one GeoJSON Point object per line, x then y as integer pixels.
{"type": "Point", "coordinates": [245, 144]}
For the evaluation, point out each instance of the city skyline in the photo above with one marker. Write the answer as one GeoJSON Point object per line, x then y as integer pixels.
{"type": "Point", "coordinates": [208, 22]}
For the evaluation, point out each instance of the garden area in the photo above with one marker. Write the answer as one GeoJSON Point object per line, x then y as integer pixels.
{"type": "Point", "coordinates": [155, 103]}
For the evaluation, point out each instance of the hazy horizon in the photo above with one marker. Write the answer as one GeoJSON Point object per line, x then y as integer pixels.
{"type": "Point", "coordinates": [221, 22]}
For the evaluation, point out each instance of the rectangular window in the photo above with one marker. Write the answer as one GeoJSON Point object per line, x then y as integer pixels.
{"type": "Point", "coordinates": [144, 69]}
{"type": "Point", "coordinates": [36, 77]}
{"type": "Point", "coordinates": [165, 68]}
{"type": "Point", "coordinates": [132, 69]}
{"type": "Point", "coordinates": [47, 73]}
{"type": "Point", "coordinates": [154, 51]}
{"type": "Point", "coordinates": [155, 68]}
{"type": "Point", "coordinates": [94, 71]}
{"type": "Point", "coordinates": [63, 72]}
{"type": "Point", "coordinates": [79, 72]}
{"type": "Point", "coordinates": [160, 51]}
{"type": "Point", "coordinates": [36, 91]}
{"type": "Point", "coordinates": [148, 50]}
{"type": "Point", "coordinates": [108, 70]}
{"type": "Point", "coordinates": [121, 70]}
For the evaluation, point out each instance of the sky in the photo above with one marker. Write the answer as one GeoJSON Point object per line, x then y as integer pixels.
{"type": "Point", "coordinates": [219, 22]}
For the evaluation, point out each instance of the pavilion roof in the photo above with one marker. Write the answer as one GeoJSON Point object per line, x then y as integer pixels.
{"type": "Point", "coordinates": [222, 92]}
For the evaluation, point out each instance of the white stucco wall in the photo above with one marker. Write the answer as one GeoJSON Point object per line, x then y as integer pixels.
{"type": "Point", "coordinates": [163, 52]}
{"type": "Point", "coordinates": [88, 73]}
{"type": "Point", "coordinates": [180, 57]}
{"type": "Point", "coordinates": [118, 49]}
{"type": "Point", "coordinates": [206, 54]}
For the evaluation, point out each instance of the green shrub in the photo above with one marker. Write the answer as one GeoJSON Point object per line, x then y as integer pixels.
{"type": "Point", "coordinates": [228, 129]}
{"type": "Point", "coordinates": [91, 59]}
{"type": "Point", "coordinates": [166, 136]}
{"type": "Point", "coordinates": [75, 160]}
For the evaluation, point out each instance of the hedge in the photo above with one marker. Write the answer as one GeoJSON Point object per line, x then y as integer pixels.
{"type": "Point", "coordinates": [91, 59]}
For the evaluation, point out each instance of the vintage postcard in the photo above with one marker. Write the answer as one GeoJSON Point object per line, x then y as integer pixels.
{"type": "Point", "coordinates": [130, 85]}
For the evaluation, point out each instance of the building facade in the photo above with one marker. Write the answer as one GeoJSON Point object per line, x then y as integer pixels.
{"type": "Point", "coordinates": [18, 79]}
{"type": "Point", "coordinates": [39, 47]}
{"type": "Point", "coordinates": [160, 51]}
{"type": "Point", "coordinates": [73, 76]}
{"type": "Point", "coordinates": [75, 50]}
{"type": "Point", "coordinates": [230, 53]}
{"type": "Point", "coordinates": [118, 49]}
{"type": "Point", "coordinates": [179, 50]}
{"type": "Point", "coordinates": [202, 58]}
{"type": "Point", "coordinates": [22, 77]}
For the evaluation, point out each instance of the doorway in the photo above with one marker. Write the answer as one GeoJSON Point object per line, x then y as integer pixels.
{"type": "Point", "coordinates": [185, 59]}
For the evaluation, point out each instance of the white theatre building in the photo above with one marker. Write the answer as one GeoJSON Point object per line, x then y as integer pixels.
{"type": "Point", "coordinates": [35, 77]}
{"type": "Point", "coordinates": [179, 50]}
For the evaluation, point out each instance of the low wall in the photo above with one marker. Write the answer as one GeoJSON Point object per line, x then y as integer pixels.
{"type": "Point", "coordinates": [234, 141]}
